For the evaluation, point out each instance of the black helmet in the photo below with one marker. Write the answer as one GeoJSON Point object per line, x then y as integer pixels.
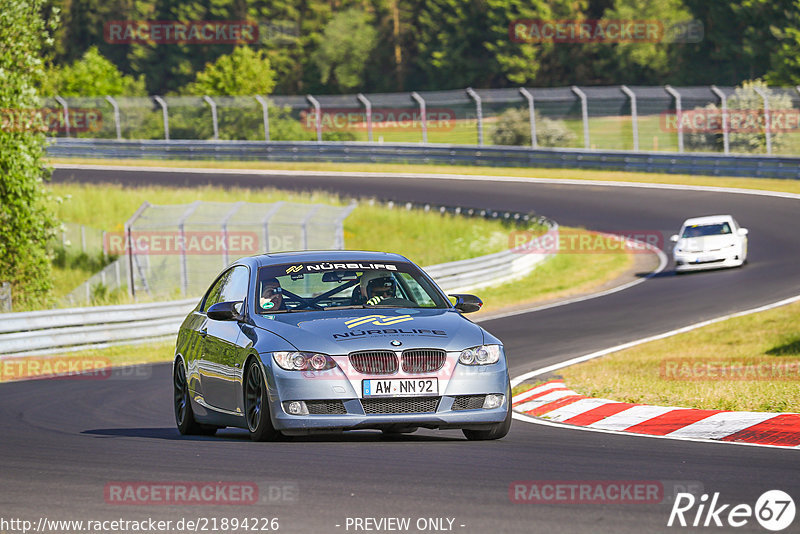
{"type": "Point", "coordinates": [383, 286]}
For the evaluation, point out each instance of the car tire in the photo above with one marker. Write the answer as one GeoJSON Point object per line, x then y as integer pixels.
{"type": "Point", "coordinates": [256, 406]}
{"type": "Point", "coordinates": [184, 416]}
{"type": "Point", "coordinates": [493, 432]}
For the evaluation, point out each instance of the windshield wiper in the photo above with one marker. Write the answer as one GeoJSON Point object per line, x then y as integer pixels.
{"type": "Point", "coordinates": [348, 307]}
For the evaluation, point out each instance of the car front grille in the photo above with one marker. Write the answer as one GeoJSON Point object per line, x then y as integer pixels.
{"type": "Point", "coordinates": [468, 402]}
{"type": "Point", "coordinates": [379, 362]}
{"type": "Point", "coordinates": [400, 405]}
{"type": "Point", "coordinates": [326, 407]}
{"type": "Point", "coordinates": [423, 360]}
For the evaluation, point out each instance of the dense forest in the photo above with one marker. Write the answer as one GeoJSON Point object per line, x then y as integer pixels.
{"type": "Point", "coordinates": [340, 46]}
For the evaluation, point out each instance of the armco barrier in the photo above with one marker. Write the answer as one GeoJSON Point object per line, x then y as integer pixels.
{"type": "Point", "coordinates": [65, 330]}
{"type": "Point", "coordinates": [499, 156]}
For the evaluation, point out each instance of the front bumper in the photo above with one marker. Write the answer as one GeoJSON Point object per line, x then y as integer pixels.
{"type": "Point", "coordinates": [465, 381]}
{"type": "Point", "coordinates": [697, 261]}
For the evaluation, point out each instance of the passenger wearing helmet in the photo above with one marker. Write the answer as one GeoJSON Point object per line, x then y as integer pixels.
{"type": "Point", "coordinates": [377, 286]}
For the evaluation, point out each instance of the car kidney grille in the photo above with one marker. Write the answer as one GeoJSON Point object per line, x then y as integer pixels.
{"type": "Point", "coordinates": [381, 362]}
{"type": "Point", "coordinates": [468, 402]}
{"type": "Point", "coordinates": [423, 360]}
{"type": "Point", "coordinates": [325, 407]}
{"type": "Point", "coordinates": [400, 405]}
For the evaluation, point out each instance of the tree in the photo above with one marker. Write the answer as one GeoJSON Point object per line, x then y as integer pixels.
{"type": "Point", "coordinates": [92, 75]}
{"type": "Point", "coordinates": [785, 60]}
{"type": "Point", "coordinates": [25, 222]}
{"type": "Point", "coordinates": [242, 72]}
{"type": "Point", "coordinates": [347, 42]}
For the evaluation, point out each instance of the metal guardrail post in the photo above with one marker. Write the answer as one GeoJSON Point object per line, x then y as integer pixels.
{"type": "Point", "coordinates": [164, 115]}
{"type": "Point", "coordinates": [723, 100]}
{"type": "Point", "coordinates": [65, 107]}
{"type": "Point", "coordinates": [214, 121]}
{"type": "Point", "coordinates": [318, 112]}
{"type": "Point", "coordinates": [478, 112]}
{"type": "Point", "coordinates": [678, 113]}
{"type": "Point", "coordinates": [182, 230]}
{"type": "Point", "coordinates": [584, 115]}
{"type": "Point", "coordinates": [767, 119]}
{"type": "Point", "coordinates": [225, 219]}
{"type": "Point", "coordinates": [265, 222]}
{"type": "Point", "coordinates": [368, 111]}
{"type": "Point", "coordinates": [117, 125]}
{"type": "Point", "coordinates": [265, 113]}
{"type": "Point", "coordinates": [422, 114]}
{"type": "Point", "coordinates": [129, 240]}
{"type": "Point", "coordinates": [531, 110]}
{"type": "Point", "coordinates": [634, 118]}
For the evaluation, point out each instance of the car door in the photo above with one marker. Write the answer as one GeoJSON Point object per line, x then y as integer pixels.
{"type": "Point", "coordinates": [220, 356]}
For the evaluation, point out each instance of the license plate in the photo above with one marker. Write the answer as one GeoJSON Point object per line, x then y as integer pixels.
{"type": "Point", "coordinates": [401, 387]}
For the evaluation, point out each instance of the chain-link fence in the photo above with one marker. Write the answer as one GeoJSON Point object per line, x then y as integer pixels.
{"type": "Point", "coordinates": [671, 119]}
{"type": "Point", "coordinates": [174, 251]}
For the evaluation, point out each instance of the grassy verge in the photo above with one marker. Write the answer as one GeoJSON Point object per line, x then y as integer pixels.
{"type": "Point", "coordinates": [766, 184]}
{"type": "Point", "coordinates": [747, 363]}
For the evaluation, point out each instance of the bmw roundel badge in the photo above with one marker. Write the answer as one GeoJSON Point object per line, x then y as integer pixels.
{"type": "Point", "coordinates": [395, 343]}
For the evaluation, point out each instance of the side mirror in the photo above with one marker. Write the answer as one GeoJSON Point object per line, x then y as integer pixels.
{"type": "Point", "coordinates": [743, 231]}
{"type": "Point", "coordinates": [467, 303]}
{"type": "Point", "coordinates": [225, 311]}
{"type": "Point", "coordinates": [674, 238]}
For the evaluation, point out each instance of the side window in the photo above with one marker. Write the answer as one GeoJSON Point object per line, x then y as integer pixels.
{"type": "Point", "coordinates": [214, 294]}
{"type": "Point", "coordinates": [235, 288]}
{"type": "Point", "coordinates": [231, 286]}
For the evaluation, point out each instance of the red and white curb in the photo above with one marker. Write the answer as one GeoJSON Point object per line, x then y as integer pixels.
{"type": "Point", "coordinates": [555, 402]}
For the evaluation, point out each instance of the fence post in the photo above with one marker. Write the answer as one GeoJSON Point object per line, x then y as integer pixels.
{"type": "Point", "coordinates": [422, 115]}
{"type": "Point", "coordinates": [304, 223]}
{"type": "Point", "coordinates": [318, 112]}
{"type": "Point", "coordinates": [182, 231]}
{"type": "Point", "coordinates": [65, 107]}
{"type": "Point", "coordinates": [584, 115]}
{"type": "Point", "coordinates": [214, 121]}
{"type": "Point", "coordinates": [767, 119]}
{"type": "Point", "coordinates": [339, 244]}
{"type": "Point", "coordinates": [723, 100]}
{"type": "Point", "coordinates": [529, 97]}
{"type": "Point", "coordinates": [130, 244]}
{"type": "Point", "coordinates": [265, 222]}
{"type": "Point", "coordinates": [5, 297]}
{"type": "Point", "coordinates": [634, 117]}
{"type": "Point", "coordinates": [164, 115]}
{"type": "Point", "coordinates": [117, 125]}
{"type": "Point", "coordinates": [678, 113]}
{"type": "Point", "coordinates": [225, 219]}
{"type": "Point", "coordinates": [265, 113]}
{"type": "Point", "coordinates": [83, 239]}
{"type": "Point", "coordinates": [368, 110]}
{"type": "Point", "coordinates": [478, 111]}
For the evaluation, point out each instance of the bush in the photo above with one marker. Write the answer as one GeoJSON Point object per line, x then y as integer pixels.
{"type": "Point", "coordinates": [513, 127]}
{"type": "Point", "coordinates": [745, 97]}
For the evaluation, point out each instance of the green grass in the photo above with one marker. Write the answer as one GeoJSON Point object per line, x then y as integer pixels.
{"type": "Point", "coordinates": [673, 371]}
{"type": "Point", "coordinates": [765, 184]}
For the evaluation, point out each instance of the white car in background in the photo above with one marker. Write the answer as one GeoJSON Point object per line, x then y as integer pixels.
{"type": "Point", "coordinates": [711, 242]}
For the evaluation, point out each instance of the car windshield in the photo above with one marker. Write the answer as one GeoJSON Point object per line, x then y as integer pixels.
{"type": "Point", "coordinates": [701, 230]}
{"type": "Point", "coordinates": [316, 286]}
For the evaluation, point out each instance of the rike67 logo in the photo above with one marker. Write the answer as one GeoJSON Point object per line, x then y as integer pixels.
{"type": "Point", "coordinates": [774, 510]}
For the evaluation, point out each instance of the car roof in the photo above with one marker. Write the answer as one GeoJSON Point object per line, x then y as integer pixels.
{"type": "Point", "coordinates": [349, 256]}
{"type": "Point", "coordinates": [708, 219]}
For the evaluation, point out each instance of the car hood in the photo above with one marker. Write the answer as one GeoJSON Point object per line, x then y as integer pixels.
{"type": "Point", "coordinates": [706, 243]}
{"type": "Point", "coordinates": [343, 331]}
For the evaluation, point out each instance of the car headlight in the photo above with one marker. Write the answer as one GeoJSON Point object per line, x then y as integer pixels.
{"type": "Point", "coordinates": [482, 355]}
{"type": "Point", "coordinates": [303, 361]}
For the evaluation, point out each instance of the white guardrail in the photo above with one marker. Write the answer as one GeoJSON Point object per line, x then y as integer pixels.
{"type": "Point", "coordinates": [72, 329]}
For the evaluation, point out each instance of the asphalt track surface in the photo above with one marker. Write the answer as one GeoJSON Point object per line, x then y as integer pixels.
{"type": "Point", "coordinates": [64, 440]}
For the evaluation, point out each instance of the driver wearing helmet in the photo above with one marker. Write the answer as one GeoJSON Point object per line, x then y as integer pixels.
{"type": "Point", "coordinates": [377, 286]}
{"type": "Point", "coordinates": [272, 295]}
